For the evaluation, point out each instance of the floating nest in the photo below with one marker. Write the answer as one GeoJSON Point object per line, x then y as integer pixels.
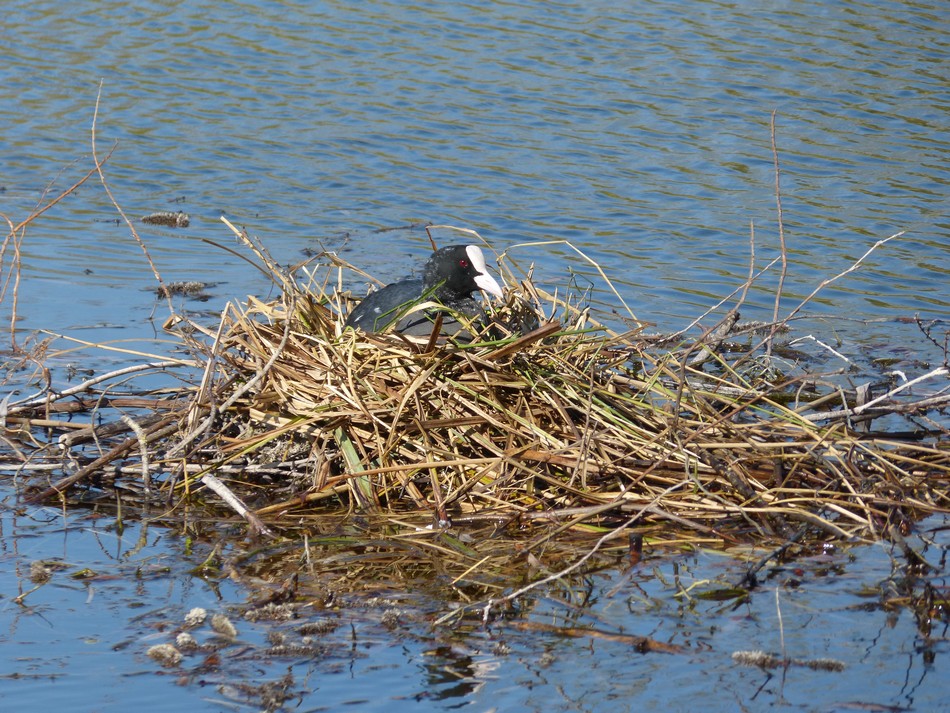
{"type": "Point", "coordinates": [572, 426]}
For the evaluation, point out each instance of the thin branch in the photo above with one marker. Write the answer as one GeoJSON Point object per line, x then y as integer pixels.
{"type": "Point", "coordinates": [46, 396]}
{"type": "Point", "coordinates": [874, 403]}
{"type": "Point", "coordinates": [781, 239]}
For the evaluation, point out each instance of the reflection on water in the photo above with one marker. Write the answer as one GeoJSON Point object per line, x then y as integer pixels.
{"type": "Point", "coordinates": [108, 597]}
{"type": "Point", "coordinates": [642, 137]}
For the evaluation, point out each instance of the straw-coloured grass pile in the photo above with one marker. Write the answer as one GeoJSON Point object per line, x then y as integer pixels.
{"type": "Point", "coordinates": [571, 423]}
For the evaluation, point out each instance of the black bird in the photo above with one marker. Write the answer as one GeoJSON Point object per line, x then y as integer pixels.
{"type": "Point", "coordinates": [449, 278]}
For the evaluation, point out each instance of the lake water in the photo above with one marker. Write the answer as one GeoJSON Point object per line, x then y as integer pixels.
{"type": "Point", "coordinates": [640, 134]}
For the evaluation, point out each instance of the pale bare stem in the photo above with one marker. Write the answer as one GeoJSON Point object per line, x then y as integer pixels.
{"type": "Point", "coordinates": [17, 241]}
{"type": "Point", "coordinates": [781, 632]}
{"type": "Point", "coordinates": [11, 234]}
{"type": "Point", "coordinates": [743, 288]}
{"type": "Point", "coordinates": [813, 338]}
{"type": "Point", "coordinates": [204, 393]}
{"type": "Point", "coordinates": [879, 400]}
{"type": "Point", "coordinates": [204, 388]}
{"type": "Point", "coordinates": [781, 239]}
{"type": "Point", "coordinates": [281, 277]}
{"type": "Point", "coordinates": [143, 451]}
{"type": "Point", "coordinates": [17, 236]}
{"type": "Point", "coordinates": [47, 397]}
{"type": "Point", "coordinates": [105, 185]}
{"type": "Point", "coordinates": [824, 283]}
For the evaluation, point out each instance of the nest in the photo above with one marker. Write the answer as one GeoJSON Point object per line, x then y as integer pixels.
{"type": "Point", "coordinates": [572, 425]}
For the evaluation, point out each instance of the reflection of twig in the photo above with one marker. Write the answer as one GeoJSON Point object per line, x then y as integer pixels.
{"type": "Point", "coordinates": [105, 185]}
{"type": "Point", "coordinates": [571, 567]}
{"type": "Point", "coordinates": [643, 644]}
{"type": "Point", "coordinates": [781, 636]}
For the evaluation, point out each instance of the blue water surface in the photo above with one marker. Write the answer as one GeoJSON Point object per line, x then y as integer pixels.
{"type": "Point", "coordinates": [640, 132]}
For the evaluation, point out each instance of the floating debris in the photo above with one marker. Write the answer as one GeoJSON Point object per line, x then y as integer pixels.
{"type": "Point", "coordinates": [271, 612]}
{"type": "Point", "coordinates": [318, 628]}
{"type": "Point", "coordinates": [196, 617]}
{"type": "Point", "coordinates": [40, 573]}
{"type": "Point", "coordinates": [391, 618]}
{"type": "Point", "coordinates": [168, 219]}
{"type": "Point", "coordinates": [186, 642]}
{"type": "Point", "coordinates": [764, 660]}
{"type": "Point", "coordinates": [190, 288]}
{"type": "Point", "coordinates": [165, 654]}
{"type": "Point", "coordinates": [222, 625]}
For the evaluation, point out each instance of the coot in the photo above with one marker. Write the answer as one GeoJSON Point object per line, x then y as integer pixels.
{"type": "Point", "coordinates": [449, 278]}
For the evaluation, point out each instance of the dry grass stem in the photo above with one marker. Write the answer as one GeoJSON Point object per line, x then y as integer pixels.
{"type": "Point", "coordinates": [570, 430]}
{"type": "Point", "coordinates": [572, 425]}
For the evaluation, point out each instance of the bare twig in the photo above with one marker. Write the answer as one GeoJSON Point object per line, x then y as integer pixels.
{"type": "Point", "coordinates": [781, 238]}
{"type": "Point", "coordinates": [47, 396]}
{"type": "Point", "coordinates": [164, 428]}
{"type": "Point", "coordinates": [877, 402]}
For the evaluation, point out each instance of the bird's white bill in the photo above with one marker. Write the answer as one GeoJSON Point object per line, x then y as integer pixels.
{"type": "Point", "coordinates": [484, 281]}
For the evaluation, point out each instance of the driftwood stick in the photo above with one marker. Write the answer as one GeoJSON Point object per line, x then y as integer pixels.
{"type": "Point", "coordinates": [877, 404]}
{"type": "Point", "coordinates": [50, 396]}
{"type": "Point", "coordinates": [163, 428]}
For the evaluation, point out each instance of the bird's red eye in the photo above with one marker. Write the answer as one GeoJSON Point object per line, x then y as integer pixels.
{"type": "Point", "coordinates": [463, 262]}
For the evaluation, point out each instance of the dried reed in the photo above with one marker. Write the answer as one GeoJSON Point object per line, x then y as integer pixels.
{"type": "Point", "coordinates": [569, 423]}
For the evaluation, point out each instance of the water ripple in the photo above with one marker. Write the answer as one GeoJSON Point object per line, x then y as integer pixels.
{"type": "Point", "coordinates": [643, 138]}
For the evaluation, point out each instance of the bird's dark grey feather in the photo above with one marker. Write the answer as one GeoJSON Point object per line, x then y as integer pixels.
{"type": "Point", "coordinates": [449, 278]}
